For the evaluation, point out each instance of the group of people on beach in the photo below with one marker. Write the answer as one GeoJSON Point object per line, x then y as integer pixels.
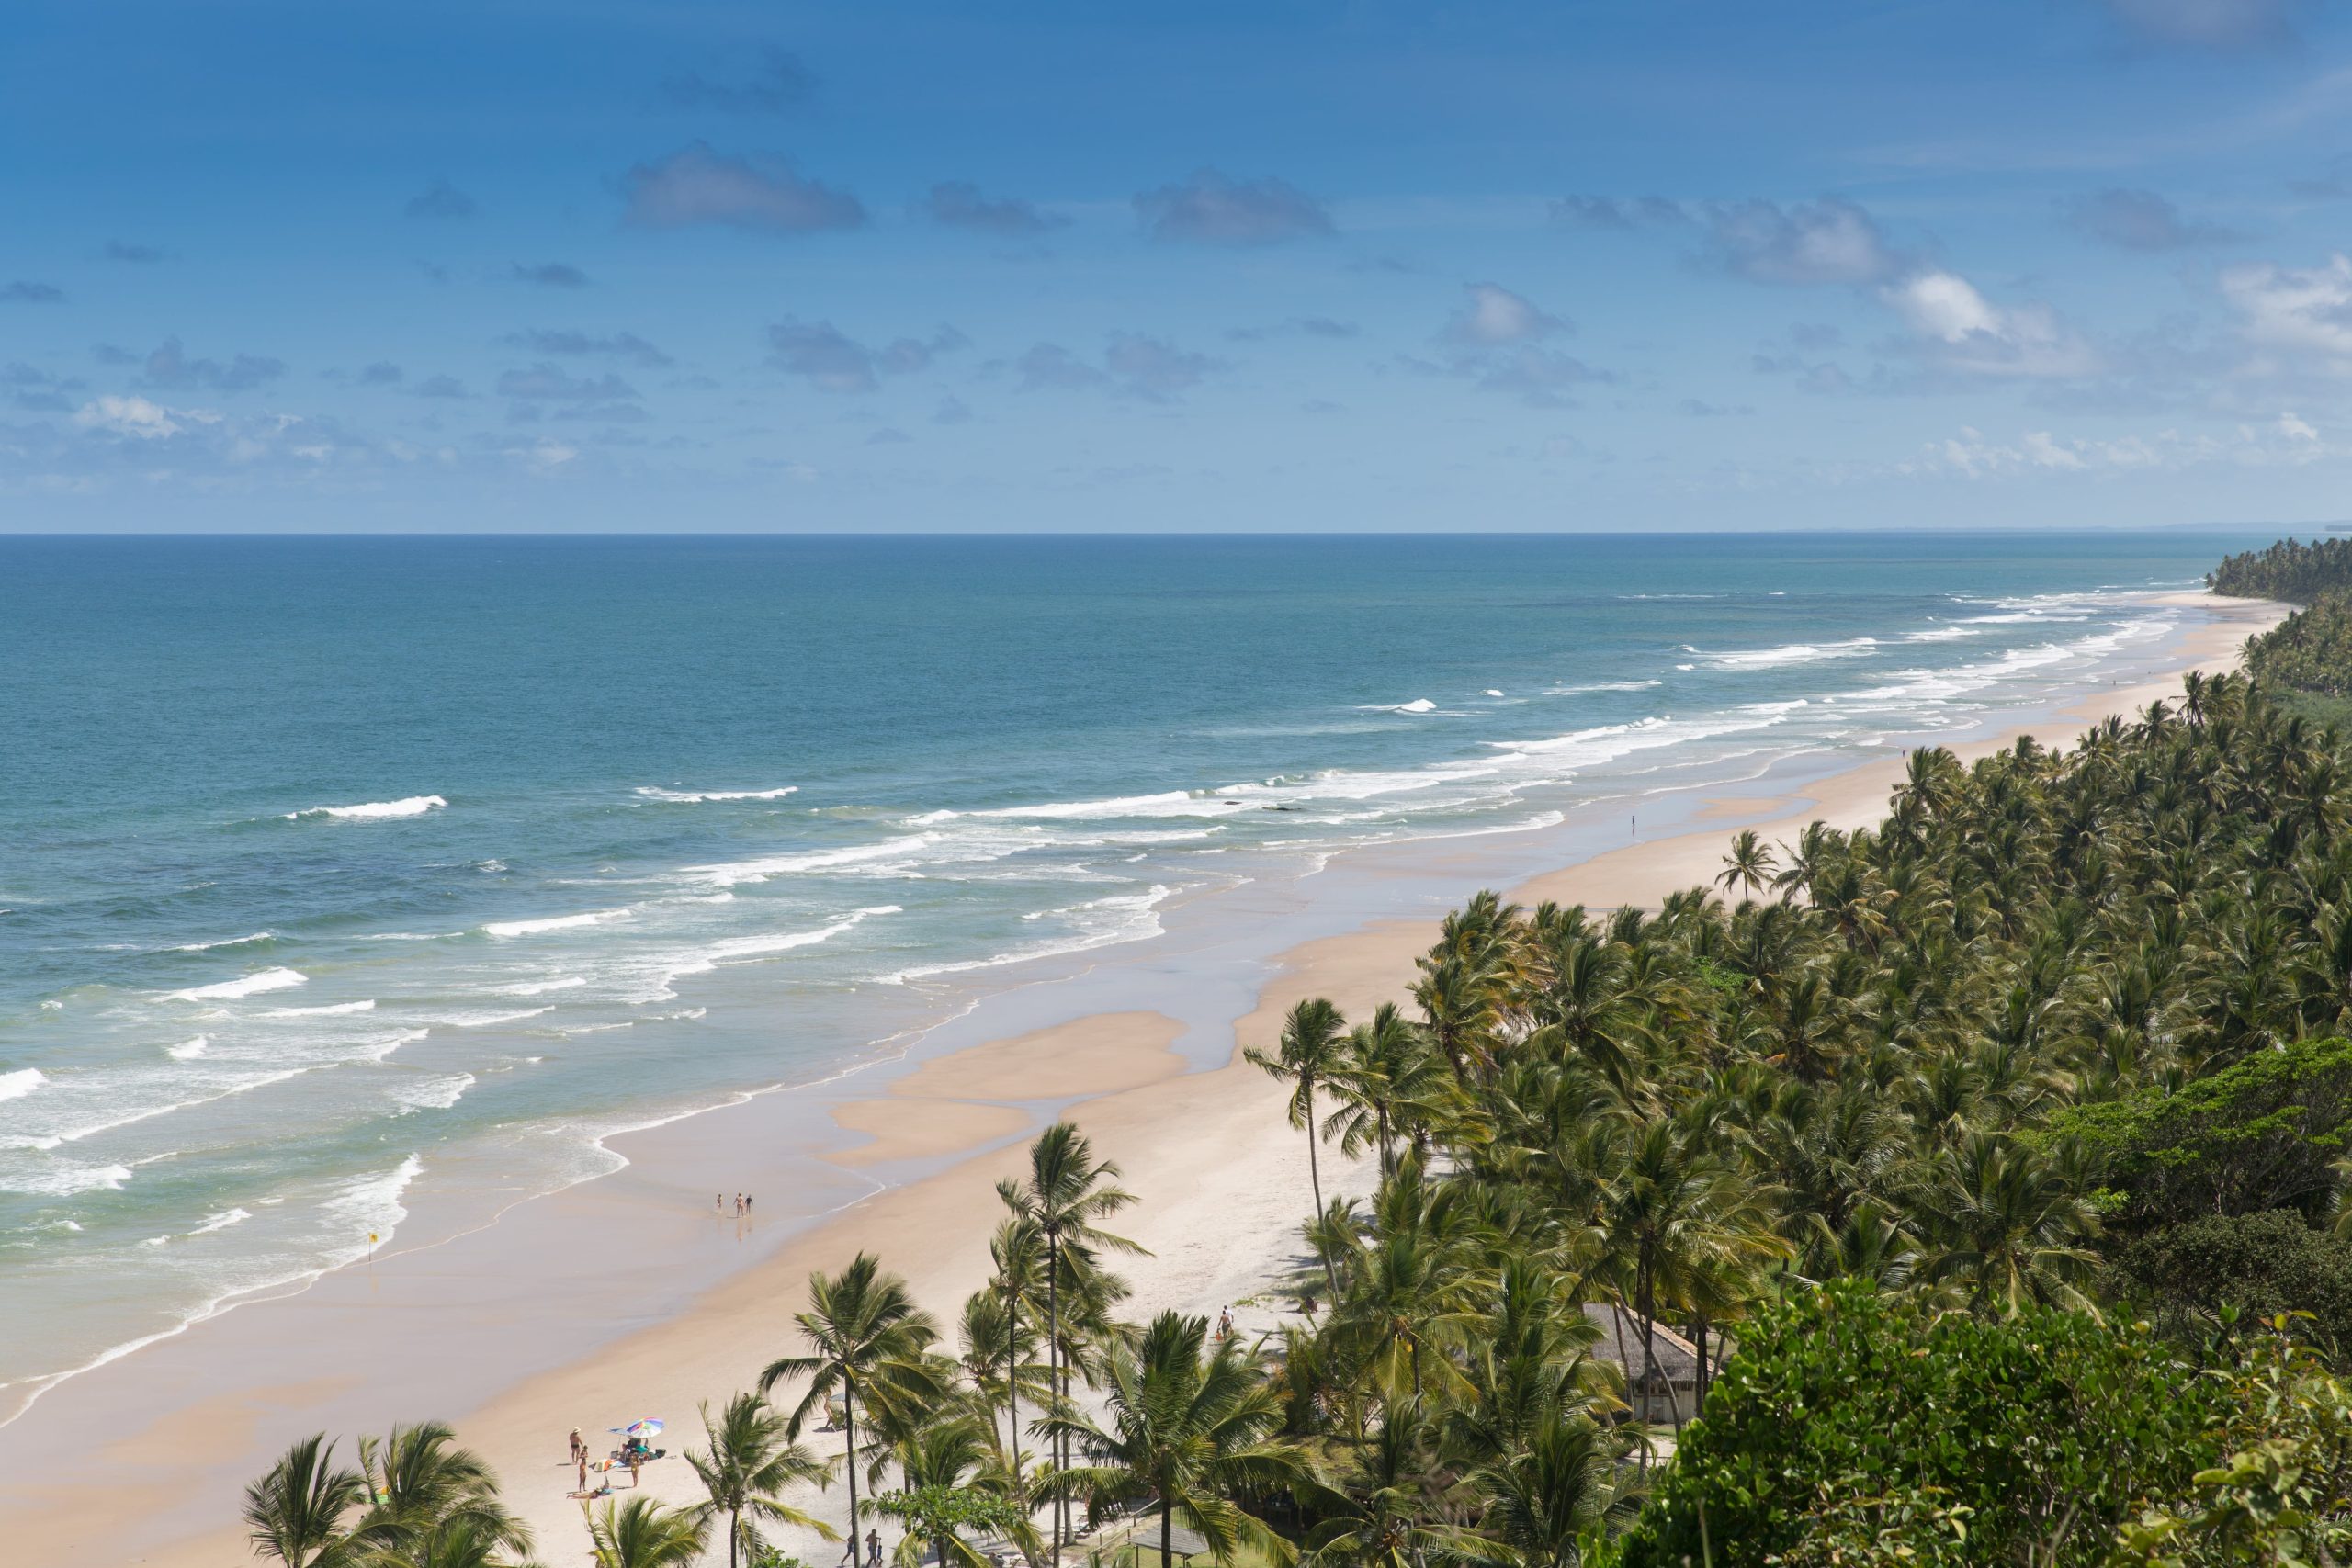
{"type": "Point", "coordinates": [742, 1204]}
{"type": "Point", "coordinates": [633, 1453]}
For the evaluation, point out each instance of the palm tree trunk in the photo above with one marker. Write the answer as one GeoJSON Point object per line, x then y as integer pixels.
{"type": "Point", "coordinates": [734, 1533]}
{"type": "Point", "coordinates": [1053, 1368]}
{"type": "Point", "coordinates": [849, 1427]}
{"type": "Point", "coordinates": [1012, 1388]}
{"type": "Point", "coordinates": [1167, 1535]}
{"type": "Point", "coordinates": [1314, 1180]}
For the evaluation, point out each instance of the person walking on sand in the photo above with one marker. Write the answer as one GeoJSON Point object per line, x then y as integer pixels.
{"type": "Point", "coordinates": [718, 1202]}
{"type": "Point", "coordinates": [873, 1548]}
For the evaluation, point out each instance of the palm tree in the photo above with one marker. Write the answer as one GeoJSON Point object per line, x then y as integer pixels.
{"type": "Point", "coordinates": [749, 1463]}
{"type": "Point", "coordinates": [1312, 1052]}
{"type": "Point", "coordinates": [1544, 1499]}
{"type": "Point", "coordinates": [1749, 864]}
{"type": "Point", "coordinates": [2006, 1225]}
{"type": "Point", "coordinates": [1065, 1194]}
{"type": "Point", "coordinates": [296, 1510]}
{"type": "Point", "coordinates": [427, 1487]}
{"type": "Point", "coordinates": [1193, 1428]}
{"type": "Point", "coordinates": [1385, 1079]}
{"type": "Point", "coordinates": [1392, 1520]}
{"type": "Point", "coordinates": [1018, 1249]}
{"type": "Point", "coordinates": [642, 1533]}
{"type": "Point", "coordinates": [868, 1335]}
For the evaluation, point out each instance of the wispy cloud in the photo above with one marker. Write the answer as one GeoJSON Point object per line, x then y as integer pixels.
{"type": "Point", "coordinates": [780, 83]}
{"type": "Point", "coordinates": [1211, 210]}
{"type": "Point", "coordinates": [697, 185]}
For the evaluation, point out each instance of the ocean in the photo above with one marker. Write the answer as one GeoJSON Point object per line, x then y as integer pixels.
{"type": "Point", "coordinates": [329, 866]}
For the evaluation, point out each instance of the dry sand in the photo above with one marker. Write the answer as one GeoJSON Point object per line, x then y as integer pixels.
{"type": "Point", "coordinates": [1220, 1176]}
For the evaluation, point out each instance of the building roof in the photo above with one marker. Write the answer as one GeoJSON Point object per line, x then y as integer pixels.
{"type": "Point", "coordinates": [1676, 1355]}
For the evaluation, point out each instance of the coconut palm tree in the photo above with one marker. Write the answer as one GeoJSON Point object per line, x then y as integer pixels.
{"type": "Point", "coordinates": [642, 1533]}
{"type": "Point", "coordinates": [295, 1512]}
{"type": "Point", "coordinates": [868, 1336]}
{"type": "Point", "coordinates": [1313, 1052]}
{"type": "Point", "coordinates": [1544, 1501]}
{"type": "Point", "coordinates": [2006, 1226]}
{"type": "Point", "coordinates": [1749, 863]}
{"type": "Point", "coordinates": [1067, 1193]}
{"type": "Point", "coordinates": [424, 1485]}
{"type": "Point", "coordinates": [1190, 1429]}
{"type": "Point", "coordinates": [749, 1463]}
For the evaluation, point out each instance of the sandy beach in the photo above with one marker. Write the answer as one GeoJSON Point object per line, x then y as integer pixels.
{"type": "Point", "coordinates": [140, 1460]}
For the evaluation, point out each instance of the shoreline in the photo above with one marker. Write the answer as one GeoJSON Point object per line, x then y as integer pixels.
{"type": "Point", "coordinates": [1219, 1201]}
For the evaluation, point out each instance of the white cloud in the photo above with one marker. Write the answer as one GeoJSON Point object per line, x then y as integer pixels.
{"type": "Point", "coordinates": [2287, 440]}
{"type": "Point", "coordinates": [1825, 241]}
{"type": "Point", "coordinates": [1496, 315]}
{"type": "Point", "coordinates": [135, 417]}
{"type": "Point", "coordinates": [2297, 313]}
{"type": "Point", "coordinates": [1963, 331]}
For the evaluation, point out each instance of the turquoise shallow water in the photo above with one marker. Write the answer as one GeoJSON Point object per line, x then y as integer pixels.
{"type": "Point", "coordinates": [326, 864]}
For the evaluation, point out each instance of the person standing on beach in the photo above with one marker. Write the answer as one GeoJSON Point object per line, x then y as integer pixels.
{"type": "Point", "coordinates": [718, 1202]}
{"type": "Point", "coordinates": [873, 1548]}
{"type": "Point", "coordinates": [578, 1447]}
{"type": "Point", "coordinates": [580, 1459]}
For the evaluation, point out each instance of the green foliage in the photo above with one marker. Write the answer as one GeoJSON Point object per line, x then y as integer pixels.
{"type": "Point", "coordinates": [2282, 1491]}
{"type": "Point", "coordinates": [2260, 1134]}
{"type": "Point", "coordinates": [932, 1512]}
{"type": "Point", "coordinates": [2311, 650]}
{"type": "Point", "coordinates": [2288, 570]}
{"type": "Point", "coordinates": [2260, 1264]}
{"type": "Point", "coordinates": [1848, 1414]}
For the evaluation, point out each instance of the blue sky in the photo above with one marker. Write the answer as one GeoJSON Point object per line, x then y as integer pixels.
{"type": "Point", "coordinates": [1141, 266]}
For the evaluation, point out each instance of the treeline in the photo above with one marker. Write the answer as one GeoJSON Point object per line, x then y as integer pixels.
{"type": "Point", "coordinates": [1944, 1173]}
{"type": "Point", "coordinates": [2311, 650]}
{"type": "Point", "coordinates": [2290, 569]}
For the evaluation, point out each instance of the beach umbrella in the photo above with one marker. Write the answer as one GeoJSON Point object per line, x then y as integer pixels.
{"type": "Point", "coordinates": [648, 1428]}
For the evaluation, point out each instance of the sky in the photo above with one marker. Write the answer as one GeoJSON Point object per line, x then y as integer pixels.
{"type": "Point", "coordinates": [920, 266]}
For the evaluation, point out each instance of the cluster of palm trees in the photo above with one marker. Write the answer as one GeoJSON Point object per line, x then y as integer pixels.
{"type": "Point", "coordinates": [1600, 1142]}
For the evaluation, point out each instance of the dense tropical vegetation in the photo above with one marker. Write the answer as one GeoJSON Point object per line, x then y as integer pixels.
{"type": "Point", "coordinates": [1936, 1191]}
{"type": "Point", "coordinates": [2311, 650]}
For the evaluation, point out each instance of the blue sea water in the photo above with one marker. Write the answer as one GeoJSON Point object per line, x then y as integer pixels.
{"type": "Point", "coordinates": [325, 862]}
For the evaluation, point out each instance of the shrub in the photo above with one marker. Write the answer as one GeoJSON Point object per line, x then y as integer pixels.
{"type": "Point", "coordinates": [1849, 1417]}
{"type": "Point", "coordinates": [2259, 1134]}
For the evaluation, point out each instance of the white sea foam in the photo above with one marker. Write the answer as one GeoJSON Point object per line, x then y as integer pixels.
{"type": "Point", "coordinates": [1418, 704]}
{"type": "Point", "coordinates": [1599, 686]}
{"type": "Point", "coordinates": [1492, 693]}
{"type": "Point", "coordinates": [251, 985]}
{"type": "Point", "coordinates": [556, 923]}
{"type": "Point", "coordinates": [1793, 653]}
{"type": "Point", "coordinates": [332, 1010]}
{"type": "Point", "coordinates": [369, 810]}
{"type": "Point", "coordinates": [850, 857]}
{"type": "Point", "coordinates": [737, 949]}
{"type": "Point", "coordinates": [62, 1178]}
{"type": "Point", "coordinates": [486, 1019]}
{"type": "Point", "coordinates": [225, 941]}
{"type": "Point", "coordinates": [689, 797]}
{"type": "Point", "coordinates": [222, 1220]}
{"type": "Point", "coordinates": [538, 987]}
{"type": "Point", "coordinates": [187, 1050]}
{"type": "Point", "coordinates": [1099, 922]}
{"type": "Point", "coordinates": [434, 1093]}
{"type": "Point", "coordinates": [20, 1083]}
